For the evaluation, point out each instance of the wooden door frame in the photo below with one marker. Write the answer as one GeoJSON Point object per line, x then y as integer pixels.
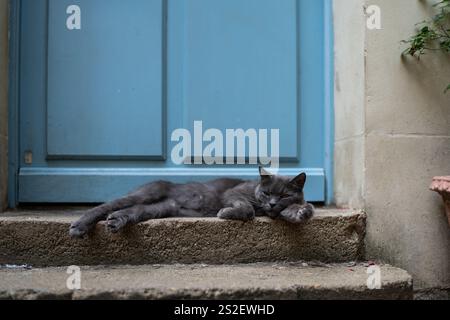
{"type": "Point", "coordinates": [14, 94]}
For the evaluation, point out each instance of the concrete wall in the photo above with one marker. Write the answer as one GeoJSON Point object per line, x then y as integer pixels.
{"type": "Point", "coordinates": [3, 102]}
{"type": "Point", "coordinates": [403, 137]}
{"type": "Point", "coordinates": [349, 103]}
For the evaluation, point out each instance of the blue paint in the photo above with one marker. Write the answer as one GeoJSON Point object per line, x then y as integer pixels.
{"type": "Point", "coordinates": [230, 66]}
{"type": "Point", "coordinates": [118, 180]}
{"type": "Point", "coordinates": [105, 81]}
{"type": "Point", "coordinates": [13, 114]}
{"type": "Point", "coordinates": [241, 67]}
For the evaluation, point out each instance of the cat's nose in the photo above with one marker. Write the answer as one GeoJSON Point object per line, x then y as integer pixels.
{"type": "Point", "coordinates": [272, 205]}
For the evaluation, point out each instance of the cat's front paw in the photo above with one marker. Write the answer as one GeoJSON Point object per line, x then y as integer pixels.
{"type": "Point", "coordinates": [78, 230]}
{"type": "Point", "coordinates": [235, 214]}
{"type": "Point", "coordinates": [116, 222]}
{"type": "Point", "coordinates": [297, 213]}
{"type": "Point", "coordinates": [224, 213]}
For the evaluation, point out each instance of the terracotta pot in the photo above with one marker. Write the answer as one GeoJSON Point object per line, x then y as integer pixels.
{"type": "Point", "coordinates": [442, 186]}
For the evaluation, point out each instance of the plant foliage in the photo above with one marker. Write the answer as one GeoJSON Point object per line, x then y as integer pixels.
{"type": "Point", "coordinates": [432, 35]}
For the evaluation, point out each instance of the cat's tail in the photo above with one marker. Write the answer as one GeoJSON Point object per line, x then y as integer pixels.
{"type": "Point", "coordinates": [298, 213]}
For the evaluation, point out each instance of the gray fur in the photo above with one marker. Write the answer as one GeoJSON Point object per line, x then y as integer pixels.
{"type": "Point", "coordinates": [274, 196]}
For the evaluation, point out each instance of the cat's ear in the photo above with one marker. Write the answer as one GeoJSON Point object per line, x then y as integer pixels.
{"type": "Point", "coordinates": [264, 172]}
{"type": "Point", "coordinates": [299, 181]}
{"type": "Point", "coordinates": [265, 175]}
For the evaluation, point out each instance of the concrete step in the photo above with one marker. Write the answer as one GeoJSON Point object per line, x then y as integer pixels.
{"type": "Point", "coordinates": [287, 281]}
{"type": "Point", "coordinates": [40, 239]}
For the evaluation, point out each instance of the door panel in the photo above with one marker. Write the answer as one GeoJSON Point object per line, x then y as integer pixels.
{"type": "Point", "coordinates": [98, 105]}
{"type": "Point", "coordinates": [242, 67]}
{"type": "Point", "coordinates": [104, 77]}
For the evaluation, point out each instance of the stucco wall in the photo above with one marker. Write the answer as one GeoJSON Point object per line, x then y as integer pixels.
{"type": "Point", "coordinates": [405, 138]}
{"type": "Point", "coordinates": [349, 103]}
{"type": "Point", "coordinates": [3, 102]}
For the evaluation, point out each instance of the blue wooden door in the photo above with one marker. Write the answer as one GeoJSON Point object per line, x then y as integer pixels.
{"type": "Point", "coordinates": [105, 83]}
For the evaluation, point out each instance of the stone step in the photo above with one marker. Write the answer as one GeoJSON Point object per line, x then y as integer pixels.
{"type": "Point", "coordinates": [40, 239]}
{"type": "Point", "coordinates": [287, 281]}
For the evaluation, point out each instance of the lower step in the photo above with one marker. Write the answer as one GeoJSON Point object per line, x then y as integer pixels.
{"type": "Point", "coordinates": [41, 239]}
{"type": "Point", "coordinates": [255, 281]}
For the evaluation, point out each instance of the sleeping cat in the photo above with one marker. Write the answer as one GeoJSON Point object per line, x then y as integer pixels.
{"type": "Point", "coordinates": [274, 196]}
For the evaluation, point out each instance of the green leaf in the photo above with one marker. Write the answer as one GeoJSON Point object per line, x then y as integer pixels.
{"type": "Point", "coordinates": [431, 35]}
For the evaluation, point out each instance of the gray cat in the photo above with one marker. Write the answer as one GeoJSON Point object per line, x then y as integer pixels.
{"type": "Point", "coordinates": [274, 196]}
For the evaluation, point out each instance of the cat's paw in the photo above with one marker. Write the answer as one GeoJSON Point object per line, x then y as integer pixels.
{"type": "Point", "coordinates": [224, 213]}
{"type": "Point", "coordinates": [297, 214]}
{"type": "Point", "coordinates": [235, 214]}
{"type": "Point", "coordinates": [78, 230]}
{"type": "Point", "coordinates": [116, 222]}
